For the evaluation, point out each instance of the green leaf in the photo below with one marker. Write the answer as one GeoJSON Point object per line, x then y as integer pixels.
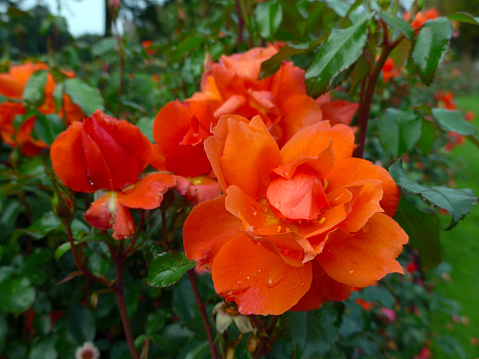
{"type": "Point", "coordinates": [464, 17]}
{"type": "Point", "coordinates": [430, 47]}
{"type": "Point", "coordinates": [428, 137]}
{"type": "Point", "coordinates": [399, 131]}
{"type": "Point", "coordinates": [458, 202]}
{"type": "Point", "coordinates": [103, 46]}
{"type": "Point", "coordinates": [146, 127]}
{"type": "Point", "coordinates": [401, 52]}
{"type": "Point", "coordinates": [242, 352]}
{"type": "Point", "coordinates": [86, 97]}
{"type": "Point", "coordinates": [297, 325]}
{"type": "Point", "coordinates": [34, 91]}
{"type": "Point", "coordinates": [167, 268]}
{"type": "Point", "coordinates": [43, 348]}
{"type": "Point", "coordinates": [423, 231]}
{"type": "Point", "coordinates": [80, 323]}
{"type": "Point", "coordinates": [322, 333]}
{"type": "Point", "coordinates": [268, 16]}
{"type": "Point", "coordinates": [398, 24]}
{"type": "Point", "coordinates": [453, 121]}
{"type": "Point", "coordinates": [155, 321]}
{"type": "Point", "coordinates": [338, 53]}
{"type": "Point", "coordinates": [17, 293]}
{"type": "Point", "coordinates": [58, 96]}
{"type": "Point", "coordinates": [62, 249]}
{"type": "Point", "coordinates": [40, 228]}
{"type": "Point", "coordinates": [270, 66]}
{"type": "Point", "coordinates": [3, 331]}
{"type": "Point", "coordinates": [48, 127]}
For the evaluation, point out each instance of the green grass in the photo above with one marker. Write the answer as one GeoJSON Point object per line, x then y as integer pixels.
{"type": "Point", "coordinates": [460, 248]}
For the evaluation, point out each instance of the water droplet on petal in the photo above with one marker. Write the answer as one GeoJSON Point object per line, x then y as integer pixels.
{"type": "Point", "coordinates": [277, 205]}
{"type": "Point", "coordinates": [294, 286]}
{"type": "Point", "coordinates": [259, 270]}
{"type": "Point", "coordinates": [301, 284]}
{"type": "Point", "coordinates": [240, 282]}
{"type": "Point", "coordinates": [275, 276]}
{"type": "Point", "coordinates": [248, 277]}
{"type": "Point", "coordinates": [253, 210]}
{"type": "Point", "coordinates": [286, 173]}
{"type": "Point", "coordinates": [366, 228]}
{"type": "Point", "coordinates": [351, 271]}
{"type": "Point", "coordinates": [265, 209]}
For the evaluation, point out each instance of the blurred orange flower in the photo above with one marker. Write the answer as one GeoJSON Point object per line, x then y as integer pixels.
{"type": "Point", "coordinates": [389, 71]}
{"type": "Point", "coordinates": [296, 226]}
{"type": "Point", "coordinates": [12, 85]}
{"type": "Point", "coordinates": [422, 17]}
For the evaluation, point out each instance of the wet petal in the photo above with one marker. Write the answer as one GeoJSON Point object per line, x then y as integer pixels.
{"type": "Point", "coordinates": [259, 281]}
{"type": "Point", "coordinates": [148, 192]}
{"type": "Point", "coordinates": [353, 170]}
{"type": "Point", "coordinates": [359, 259]}
{"type": "Point", "coordinates": [208, 227]}
{"type": "Point", "coordinates": [68, 159]}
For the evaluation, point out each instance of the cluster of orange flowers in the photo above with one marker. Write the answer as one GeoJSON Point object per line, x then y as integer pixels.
{"type": "Point", "coordinates": [12, 86]}
{"type": "Point", "coordinates": [286, 218]}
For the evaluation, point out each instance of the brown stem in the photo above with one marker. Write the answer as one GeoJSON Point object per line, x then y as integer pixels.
{"type": "Point", "coordinates": [365, 106]}
{"type": "Point", "coordinates": [204, 317]}
{"type": "Point", "coordinates": [79, 264]}
{"type": "Point", "coordinates": [240, 21]}
{"type": "Point", "coordinates": [120, 298]}
{"type": "Point", "coordinates": [122, 59]}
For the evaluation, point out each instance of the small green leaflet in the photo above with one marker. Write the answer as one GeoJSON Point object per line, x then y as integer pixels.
{"type": "Point", "coordinates": [34, 92]}
{"type": "Point", "coordinates": [464, 17]}
{"type": "Point", "coordinates": [453, 121]}
{"type": "Point", "coordinates": [423, 231]}
{"type": "Point", "coordinates": [85, 96]}
{"type": "Point", "coordinates": [48, 127]}
{"type": "Point", "coordinates": [338, 53]}
{"type": "Point", "coordinates": [268, 16]}
{"type": "Point", "coordinates": [431, 45]}
{"type": "Point", "coordinates": [398, 24]}
{"type": "Point", "coordinates": [458, 202]}
{"type": "Point", "coordinates": [168, 268]}
{"type": "Point", "coordinates": [399, 131]}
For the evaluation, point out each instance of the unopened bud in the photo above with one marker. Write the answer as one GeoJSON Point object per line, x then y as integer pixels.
{"type": "Point", "coordinates": [63, 206]}
{"type": "Point", "coordinates": [420, 5]}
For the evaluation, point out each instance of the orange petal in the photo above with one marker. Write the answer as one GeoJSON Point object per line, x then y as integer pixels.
{"type": "Point", "coordinates": [208, 227]}
{"type": "Point", "coordinates": [340, 111]}
{"type": "Point", "coordinates": [198, 189]}
{"type": "Point", "coordinates": [231, 105]}
{"type": "Point", "coordinates": [128, 136]}
{"type": "Point", "coordinates": [97, 171]}
{"type": "Point", "coordinates": [287, 82]}
{"type": "Point", "coordinates": [11, 87]}
{"type": "Point", "coordinates": [312, 140]}
{"type": "Point", "coordinates": [249, 155]}
{"type": "Point", "coordinates": [359, 259]}
{"type": "Point", "coordinates": [323, 288]}
{"type": "Point", "coordinates": [259, 281]}
{"type": "Point", "coordinates": [243, 154]}
{"type": "Point", "coordinates": [298, 112]}
{"type": "Point", "coordinates": [157, 159]}
{"type": "Point", "coordinates": [68, 159]}
{"type": "Point", "coordinates": [321, 165]}
{"type": "Point", "coordinates": [107, 213]}
{"type": "Point", "coordinates": [364, 205]}
{"type": "Point", "coordinates": [300, 198]}
{"type": "Point", "coordinates": [353, 170]}
{"type": "Point", "coordinates": [148, 192]}
{"type": "Point", "coordinates": [125, 150]}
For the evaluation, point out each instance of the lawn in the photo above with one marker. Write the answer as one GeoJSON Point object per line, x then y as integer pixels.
{"type": "Point", "coordinates": [460, 248]}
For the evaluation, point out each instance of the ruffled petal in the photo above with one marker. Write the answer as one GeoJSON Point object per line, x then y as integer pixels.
{"type": "Point", "coordinates": [106, 213]}
{"type": "Point", "coordinates": [208, 227]}
{"type": "Point", "coordinates": [249, 155]}
{"type": "Point", "coordinates": [148, 192]}
{"type": "Point", "coordinates": [360, 259]}
{"type": "Point", "coordinates": [353, 170]}
{"type": "Point", "coordinates": [310, 141]}
{"type": "Point", "coordinates": [68, 160]}
{"type": "Point", "coordinates": [198, 189]}
{"type": "Point", "coordinates": [259, 281]}
{"type": "Point", "coordinates": [97, 170]}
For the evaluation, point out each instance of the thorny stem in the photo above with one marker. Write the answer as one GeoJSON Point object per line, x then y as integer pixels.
{"type": "Point", "coordinates": [246, 20]}
{"type": "Point", "coordinates": [204, 317]}
{"type": "Point", "coordinates": [120, 297]}
{"type": "Point", "coordinates": [122, 60]}
{"type": "Point", "coordinates": [365, 105]}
